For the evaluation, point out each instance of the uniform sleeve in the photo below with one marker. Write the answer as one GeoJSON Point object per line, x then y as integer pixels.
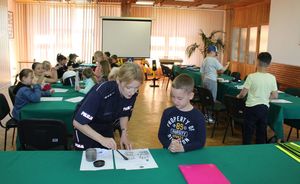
{"type": "Point", "coordinates": [199, 137]}
{"type": "Point", "coordinates": [163, 131]}
{"type": "Point", "coordinates": [90, 106]}
{"type": "Point", "coordinates": [33, 95]}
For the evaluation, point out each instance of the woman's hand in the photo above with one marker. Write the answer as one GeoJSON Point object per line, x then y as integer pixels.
{"type": "Point", "coordinates": [108, 143]}
{"type": "Point", "coordinates": [124, 142]}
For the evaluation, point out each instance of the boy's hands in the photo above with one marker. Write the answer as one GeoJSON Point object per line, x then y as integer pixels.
{"type": "Point", "coordinates": [176, 146]}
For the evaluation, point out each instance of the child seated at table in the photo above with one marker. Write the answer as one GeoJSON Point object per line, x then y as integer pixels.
{"type": "Point", "coordinates": [260, 87]}
{"type": "Point", "coordinates": [50, 72]}
{"type": "Point", "coordinates": [182, 126]}
{"type": "Point", "coordinates": [89, 80]}
{"type": "Point", "coordinates": [26, 92]}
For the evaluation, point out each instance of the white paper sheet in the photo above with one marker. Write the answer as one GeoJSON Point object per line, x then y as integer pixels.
{"type": "Point", "coordinates": [48, 99]}
{"type": "Point", "coordinates": [280, 91]}
{"type": "Point", "coordinates": [60, 90]}
{"type": "Point", "coordinates": [280, 101]}
{"type": "Point", "coordinates": [138, 159]}
{"type": "Point", "coordinates": [75, 99]}
{"type": "Point", "coordinates": [102, 154]}
{"type": "Point", "coordinates": [239, 86]}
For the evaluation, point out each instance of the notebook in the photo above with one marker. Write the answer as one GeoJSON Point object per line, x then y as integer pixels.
{"type": "Point", "coordinates": [203, 173]}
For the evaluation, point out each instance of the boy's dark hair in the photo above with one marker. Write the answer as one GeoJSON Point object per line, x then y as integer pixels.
{"type": "Point", "coordinates": [264, 59]}
{"type": "Point", "coordinates": [185, 82]}
{"type": "Point", "coordinates": [24, 73]}
{"type": "Point", "coordinates": [114, 56]}
{"type": "Point", "coordinates": [60, 57]}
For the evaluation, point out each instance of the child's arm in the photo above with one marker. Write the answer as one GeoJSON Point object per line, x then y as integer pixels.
{"type": "Point", "coordinates": [163, 131]}
{"type": "Point", "coordinates": [33, 95]}
{"type": "Point", "coordinates": [87, 88]}
{"type": "Point", "coordinates": [243, 93]}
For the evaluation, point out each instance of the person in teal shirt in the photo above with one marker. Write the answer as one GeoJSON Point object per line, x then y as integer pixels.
{"type": "Point", "coordinates": [260, 87]}
{"type": "Point", "coordinates": [89, 80]}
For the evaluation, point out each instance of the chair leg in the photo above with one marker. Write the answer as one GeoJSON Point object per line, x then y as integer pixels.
{"type": "Point", "coordinates": [297, 133]}
{"type": "Point", "coordinates": [214, 128]}
{"type": "Point", "coordinates": [231, 125]}
{"type": "Point", "coordinates": [5, 138]}
{"type": "Point", "coordinates": [229, 122]}
{"type": "Point", "coordinates": [13, 137]}
{"type": "Point", "coordinates": [288, 137]}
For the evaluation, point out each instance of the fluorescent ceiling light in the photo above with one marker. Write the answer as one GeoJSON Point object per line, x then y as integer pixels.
{"type": "Point", "coordinates": [207, 6]}
{"type": "Point", "coordinates": [144, 2]}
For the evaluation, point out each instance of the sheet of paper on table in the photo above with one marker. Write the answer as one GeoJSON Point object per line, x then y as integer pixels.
{"type": "Point", "coordinates": [102, 154]}
{"type": "Point", "coordinates": [75, 99]}
{"type": "Point", "coordinates": [280, 101]}
{"type": "Point", "coordinates": [239, 86]}
{"type": "Point", "coordinates": [48, 99]}
{"type": "Point", "coordinates": [137, 159]}
{"type": "Point", "coordinates": [280, 91]}
{"type": "Point", "coordinates": [60, 90]}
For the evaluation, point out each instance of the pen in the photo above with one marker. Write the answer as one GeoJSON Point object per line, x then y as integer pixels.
{"type": "Point", "coordinates": [125, 158]}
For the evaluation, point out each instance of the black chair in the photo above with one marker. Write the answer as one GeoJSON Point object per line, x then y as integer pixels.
{"type": "Point", "coordinates": [11, 94]}
{"type": "Point", "coordinates": [227, 72]}
{"type": "Point", "coordinates": [293, 123]}
{"type": "Point", "coordinates": [11, 123]}
{"type": "Point", "coordinates": [43, 134]}
{"type": "Point", "coordinates": [293, 91]}
{"type": "Point", "coordinates": [245, 78]}
{"type": "Point", "coordinates": [208, 104]}
{"type": "Point", "coordinates": [167, 72]}
{"type": "Point", "coordinates": [236, 75]}
{"type": "Point", "coordinates": [235, 111]}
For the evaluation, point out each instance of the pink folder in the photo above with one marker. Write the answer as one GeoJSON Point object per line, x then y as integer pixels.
{"type": "Point", "coordinates": [203, 174]}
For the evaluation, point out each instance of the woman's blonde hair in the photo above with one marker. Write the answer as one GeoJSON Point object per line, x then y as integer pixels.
{"type": "Point", "coordinates": [46, 65]}
{"type": "Point", "coordinates": [129, 72]}
{"type": "Point", "coordinates": [88, 73]}
{"type": "Point", "coordinates": [113, 73]}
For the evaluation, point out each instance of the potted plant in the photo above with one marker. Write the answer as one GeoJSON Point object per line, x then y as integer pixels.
{"type": "Point", "coordinates": [206, 41]}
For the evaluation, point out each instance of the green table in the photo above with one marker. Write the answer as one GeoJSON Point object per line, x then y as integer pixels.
{"type": "Point", "coordinates": [61, 110]}
{"type": "Point", "coordinates": [240, 164]}
{"type": "Point", "coordinates": [277, 111]}
{"type": "Point", "coordinates": [195, 74]}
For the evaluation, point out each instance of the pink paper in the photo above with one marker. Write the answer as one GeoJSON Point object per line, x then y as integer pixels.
{"type": "Point", "coordinates": [203, 174]}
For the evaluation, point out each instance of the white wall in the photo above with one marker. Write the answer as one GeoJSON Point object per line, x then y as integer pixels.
{"type": "Point", "coordinates": [284, 32]}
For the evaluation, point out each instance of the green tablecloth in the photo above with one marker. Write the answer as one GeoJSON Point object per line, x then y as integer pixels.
{"type": "Point", "coordinates": [195, 74]}
{"type": "Point", "coordinates": [61, 110]}
{"type": "Point", "coordinates": [277, 111]}
{"type": "Point", "coordinates": [240, 164]}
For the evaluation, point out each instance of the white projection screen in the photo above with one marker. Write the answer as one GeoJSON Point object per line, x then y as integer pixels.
{"type": "Point", "coordinates": [127, 37]}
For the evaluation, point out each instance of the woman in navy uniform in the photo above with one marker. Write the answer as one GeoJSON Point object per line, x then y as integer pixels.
{"type": "Point", "coordinates": [104, 104]}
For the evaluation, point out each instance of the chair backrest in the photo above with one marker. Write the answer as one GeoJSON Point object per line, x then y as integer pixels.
{"type": "Point", "coordinates": [205, 96]}
{"type": "Point", "coordinates": [167, 72]}
{"type": "Point", "coordinates": [236, 75]}
{"type": "Point", "coordinates": [4, 107]}
{"type": "Point", "coordinates": [293, 91]}
{"type": "Point", "coordinates": [42, 134]}
{"type": "Point", "coordinates": [235, 106]}
{"type": "Point", "coordinates": [227, 72]}
{"type": "Point", "coordinates": [11, 94]}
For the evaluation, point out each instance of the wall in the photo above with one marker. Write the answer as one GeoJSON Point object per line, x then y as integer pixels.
{"type": "Point", "coordinates": [12, 43]}
{"type": "Point", "coordinates": [4, 50]}
{"type": "Point", "coordinates": [284, 34]}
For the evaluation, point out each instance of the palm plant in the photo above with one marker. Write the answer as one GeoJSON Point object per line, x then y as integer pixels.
{"type": "Point", "coordinates": [206, 41]}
